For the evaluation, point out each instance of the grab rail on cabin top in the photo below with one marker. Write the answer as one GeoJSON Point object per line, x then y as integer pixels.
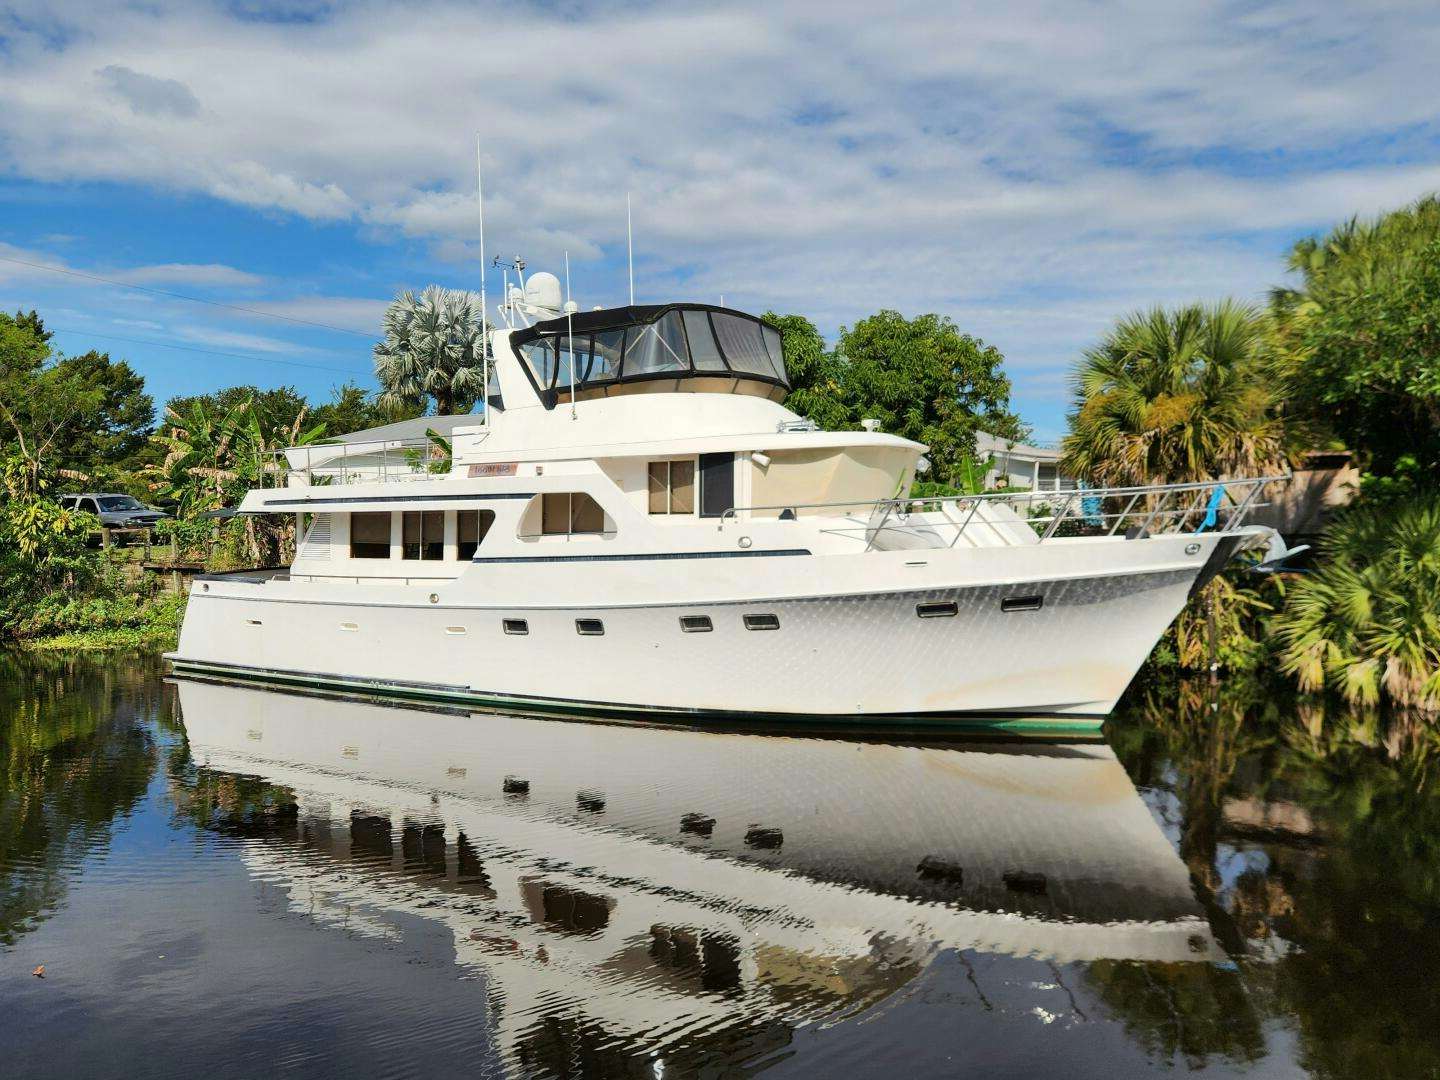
{"type": "Point", "coordinates": [1150, 505]}
{"type": "Point", "coordinates": [360, 462]}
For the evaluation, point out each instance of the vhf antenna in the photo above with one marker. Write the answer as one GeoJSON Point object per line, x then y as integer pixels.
{"type": "Point", "coordinates": [630, 248]}
{"type": "Point", "coordinates": [484, 308]}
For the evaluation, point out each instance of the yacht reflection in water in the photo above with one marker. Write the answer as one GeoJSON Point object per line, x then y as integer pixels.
{"type": "Point", "coordinates": [647, 885]}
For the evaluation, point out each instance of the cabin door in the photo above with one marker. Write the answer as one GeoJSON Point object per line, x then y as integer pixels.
{"type": "Point", "coordinates": [717, 484]}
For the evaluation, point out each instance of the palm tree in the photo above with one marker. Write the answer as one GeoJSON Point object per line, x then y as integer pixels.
{"type": "Point", "coordinates": [432, 349]}
{"type": "Point", "coordinates": [1175, 395]}
{"type": "Point", "coordinates": [1368, 622]}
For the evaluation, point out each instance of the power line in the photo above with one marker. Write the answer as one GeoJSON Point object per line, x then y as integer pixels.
{"type": "Point", "coordinates": [182, 296]}
{"type": "Point", "coordinates": [204, 352]}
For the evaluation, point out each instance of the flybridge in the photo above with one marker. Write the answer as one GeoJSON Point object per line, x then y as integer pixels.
{"type": "Point", "coordinates": [603, 350]}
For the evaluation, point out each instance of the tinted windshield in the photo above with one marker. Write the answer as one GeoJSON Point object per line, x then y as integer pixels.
{"type": "Point", "coordinates": [120, 502]}
{"type": "Point", "coordinates": [681, 341]}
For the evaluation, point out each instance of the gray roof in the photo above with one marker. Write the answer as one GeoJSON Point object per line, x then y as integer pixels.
{"type": "Point", "coordinates": [412, 430]}
{"type": "Point", "coordinates": [985, 443]}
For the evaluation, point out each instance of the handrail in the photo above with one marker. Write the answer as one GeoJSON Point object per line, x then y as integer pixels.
{"type": "Point", "coordinates": [384, 460]}
{"type": "Point", "coordinates": [1156, 509]}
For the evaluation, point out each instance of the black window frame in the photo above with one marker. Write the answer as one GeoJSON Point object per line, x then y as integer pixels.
{"type": "Point", "coordinates": [549, 394]}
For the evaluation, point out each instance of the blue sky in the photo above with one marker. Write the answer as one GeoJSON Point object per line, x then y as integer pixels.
{"type": "Point", "coordinates": [1032, 172]}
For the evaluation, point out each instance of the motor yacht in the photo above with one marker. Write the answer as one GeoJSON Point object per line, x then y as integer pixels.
{"type": "Point", "coordinates": [637, 525]}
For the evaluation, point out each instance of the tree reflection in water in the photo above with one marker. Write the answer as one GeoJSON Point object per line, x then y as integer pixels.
{"type": "Point", "coordinates": [72, 759]}
{"type": "Point", "coordinates": [1312, 832]}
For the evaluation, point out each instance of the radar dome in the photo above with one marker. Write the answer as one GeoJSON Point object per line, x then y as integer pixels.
{"type": "Point", "coordinates": [542, 294]}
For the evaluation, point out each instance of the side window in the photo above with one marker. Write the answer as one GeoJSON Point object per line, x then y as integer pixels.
{"type": "Point", "coordinates": [423, 534]}
{"type": "Point", "coordinates": [370, 536]}
{"type": "Point", "coordinates": [672, 487]}
{"type": "Point", "coordinates": [88, 505]}
{"type": "Point", "coordinates": [470, 529]}
{"type": "Point", "coordinates": [567, 512]}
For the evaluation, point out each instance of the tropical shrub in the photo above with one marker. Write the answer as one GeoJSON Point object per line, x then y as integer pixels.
{"type": "Point", "coordinates": [1367, 623]}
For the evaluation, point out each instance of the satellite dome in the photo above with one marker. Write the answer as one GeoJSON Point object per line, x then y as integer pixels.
{"type": "Point", "coordinates": [542, 294]}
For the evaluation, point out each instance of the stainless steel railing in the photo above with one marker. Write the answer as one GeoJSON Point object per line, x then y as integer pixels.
{"type": "Point", "coordinates": [1152, 508]}
{"type": "Point", "coordinates": [390, 460]}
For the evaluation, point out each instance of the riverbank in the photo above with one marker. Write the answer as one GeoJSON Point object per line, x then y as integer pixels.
{"type": "Point", "coordinates": [127, 621]}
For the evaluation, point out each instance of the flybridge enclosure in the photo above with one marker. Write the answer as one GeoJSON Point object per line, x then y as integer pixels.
{"type": "Point", "coordinates": [625, 345]}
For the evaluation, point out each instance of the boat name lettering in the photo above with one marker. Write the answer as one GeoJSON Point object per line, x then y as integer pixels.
{"type": "Point", "coordinates": [499, 468]}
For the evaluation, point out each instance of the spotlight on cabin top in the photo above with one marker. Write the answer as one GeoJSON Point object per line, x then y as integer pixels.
{"type": "Point", "coordinates": [763, 460]}
{"type": "Point", "coordinates": [870, 424]}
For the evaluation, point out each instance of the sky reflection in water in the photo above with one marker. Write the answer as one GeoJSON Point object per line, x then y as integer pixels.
{"type": "Point", "coordinates": [232, 881]}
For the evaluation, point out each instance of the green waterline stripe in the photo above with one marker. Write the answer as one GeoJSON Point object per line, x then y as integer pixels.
{"type": "Point", "coordinates": [435, 692]}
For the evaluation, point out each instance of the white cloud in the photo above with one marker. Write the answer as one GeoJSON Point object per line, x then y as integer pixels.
{"type": "Point", "coordinates": [1032, 170]}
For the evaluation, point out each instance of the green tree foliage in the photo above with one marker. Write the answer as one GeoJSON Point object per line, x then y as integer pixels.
{"type": "Point", "coordinates": [110, 434]}
{"type": "Point", "coordinates": [353, 408]}
{"type": "Point", "coordinates": [431, 351]}
{"type": "Point", "coordinates": [1360, 336]}
{"type": "Point", "coordinates": [80, 415]}
{"type": "Point", "coordinates": [1368, 622]}
{"type": "Point", "coordinates": [1176, 395]}
{"type": "Point", "coordinates": [921, 378]}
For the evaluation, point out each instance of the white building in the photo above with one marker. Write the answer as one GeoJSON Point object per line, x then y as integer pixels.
{"type": "Point", "coordinates": [1018, 465]}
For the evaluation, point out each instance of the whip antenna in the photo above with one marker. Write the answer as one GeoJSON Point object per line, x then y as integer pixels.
{"type": "Point", "coordinates": [570, 332]}
{"type": "Point", "coordinates": [630, 248]}
{"type": "Point", "coordinates": [484, 310]}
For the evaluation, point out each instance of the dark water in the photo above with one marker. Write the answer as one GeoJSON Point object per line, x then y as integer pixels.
{"type": "Point", "coordinates": [232, 882]}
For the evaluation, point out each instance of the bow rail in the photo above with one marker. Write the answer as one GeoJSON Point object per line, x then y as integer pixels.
{"type": "Point", "coordinates": [1219, 505]}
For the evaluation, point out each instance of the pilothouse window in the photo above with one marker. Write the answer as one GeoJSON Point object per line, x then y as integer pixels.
{"type": "Point", "coordinates": [600, 348]}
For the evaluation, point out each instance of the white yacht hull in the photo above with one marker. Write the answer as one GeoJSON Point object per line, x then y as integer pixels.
{"type": "Point", "coordinates": [841, 652]}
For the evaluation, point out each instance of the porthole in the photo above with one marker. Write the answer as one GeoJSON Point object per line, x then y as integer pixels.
{"type": "Point", "coordinates": [434, 598]}
{"type": "Point", "coordinates": [696, 624]}
{"type": "Point", "coordinates": [589, 627]}
{"type": "Point", "coordinates": [1022, 603]}
{"type": "Point", "coordinates": [349, 627]}
{"type": "Point", "coordinates": [762, 622]}
{"type": "Point", "coordinates": [937, 609]}
{"type": "Point", "coordinates": [455, 630]}
{"type": "Point", "coordinates": [517, 626]}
